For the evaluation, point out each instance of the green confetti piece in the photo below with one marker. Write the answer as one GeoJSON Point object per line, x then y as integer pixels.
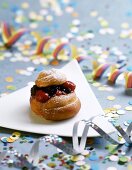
{"type": "Point", "coordinates": [122, 160]}
{"type": "Point", "coordinates": [5, 5]}
{"type": "Point", "coordinates": [10, 87]}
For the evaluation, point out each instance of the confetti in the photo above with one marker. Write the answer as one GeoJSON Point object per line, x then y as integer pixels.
{"type": "Point", "coordinates": [80, 163]}
{"type": "Point", "coordinates": [3, 139]}
{"type": "Point", "coordinates": [123, 160]}
{"type": "Point", "coordinates": [111, 168]}
{"type": "Point", "coordinates": [96, 84]}
{"type": "Point", "coordinates": [120, 112]}
{"type": "Point", "coordinates": [11, 87]}
{"type": "Point", "coordinates": [130, 102]}
{"type": "Point", "coordinates": [114, 158]}
{"type": "Point", "coordinates": [94, 13]}
{"type": "Point", "coordinates": [128, 108]}
{"type": "Point", "coordinates": [111, 98]}
{"type": "Point", "coordinates": [9, 79]}
{"type": "Point", "coordinates": [47, 21]}
{"type": "Point", "coordinates": [129, 167]}
{"type": "Point", "coordinates": [77, 158]}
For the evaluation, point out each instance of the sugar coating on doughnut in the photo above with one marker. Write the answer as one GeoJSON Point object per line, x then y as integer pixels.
{"type": "Point", "coordinates": [50, 77]}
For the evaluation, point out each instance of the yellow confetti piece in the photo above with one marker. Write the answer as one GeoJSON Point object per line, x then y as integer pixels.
{"type": "Point", "coordinates": [51, 164]}
{"type": "Point", "coordinates": [122, 35]}
{"type": "Point", "coordinates": [125, 25]}
{"type": "Point", "coordinates": [54, 62]}
{"type": "Point", "coordinates": [93, 13]}
{"type": "Point", "coordinates": [9, 79]}
{"type": "Point", "coordinates": [14, 137]}
{"type": "Point", "coordinates": [74, 14]}
{"type": "Point", "coordinates": [10, 140]}
{"type": "Point", "coordinates": [96, 84]}
{"type": "Point", "coordinates": [103, 23]}
{"type": "Point", "coordinates": [128, 108]}
{"type": "Point", "coordinates": [108, 110]}
{"type": "Point", "coordinates": [111, 98]}
{"type": "Point", "coordinates": [102, 88]}
{"type": "Point", "coordinates": [16, 134]}
{"type": "Point", "coordinates": [25, 5]}
{"type": "Point", "coordinates": [76, 158]}
{"type": "Point", "coordinates": [10, 87]}
{"type": "Point", "coordinates": [129, 167]}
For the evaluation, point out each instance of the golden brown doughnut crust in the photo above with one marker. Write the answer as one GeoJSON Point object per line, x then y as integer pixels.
{"type": "Point", "coordinates": [57, 108]}
{"type": "Point", "coordinates": [50, 77]}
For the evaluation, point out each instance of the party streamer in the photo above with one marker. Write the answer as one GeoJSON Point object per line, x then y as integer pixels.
{"type": "Point", "coordinates": [128, 83]}
{"type": "Point", "coordinates": [53, 140]}
{"type": "Point", "coordinates": [99, 69]}
{"type": "Point", "coordinates": [128, 80]}
{"type": "Point", "coordinates": [114, 74]}
{"type": "Point", "coordinates": [80, 59]}
{"type": "Point", "coordinates": [9, 35]}
{"type": "Point", "coordinates": [33, 159]}
{"type": "Point", "coordinates": [41, 44]}
{"type": "Point", "coordinates": [79, 148]}
{"type": "Point", "coordinates": [58, 49]}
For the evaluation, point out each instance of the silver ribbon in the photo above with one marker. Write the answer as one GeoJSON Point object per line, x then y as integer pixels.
{"type": "Point", "coordinates": [79, 148]}
{"type": "Point", "coordinates": [34, 154]}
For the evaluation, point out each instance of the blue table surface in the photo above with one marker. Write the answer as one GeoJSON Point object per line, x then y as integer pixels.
{"type": "Point", "coordinates": [102, 30]}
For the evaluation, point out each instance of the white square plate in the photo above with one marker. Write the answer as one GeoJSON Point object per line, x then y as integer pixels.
{"type": "Point", "coordinates": [15, 110]}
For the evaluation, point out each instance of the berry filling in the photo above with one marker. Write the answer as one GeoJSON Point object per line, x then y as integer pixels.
{"type": "Point", "coordinates": [43, 94]}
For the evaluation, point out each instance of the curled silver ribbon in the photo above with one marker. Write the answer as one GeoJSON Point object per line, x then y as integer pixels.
{"type": "Point", "coordinates": [79, 148]}
{"type": "Point", "coordinates": [53, 140]}
{"type": "Point", "coordinates": [34, 154]}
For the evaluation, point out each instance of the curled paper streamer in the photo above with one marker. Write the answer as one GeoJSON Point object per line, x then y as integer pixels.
{"type": "Point", "coordinates": [79, 148]}
{"type": "Point", "coordinates": [99, 69]}
{"type": "Point", "coordinates": [115, 72]}
{"type": "Point", "coordinates": [41, 44]}
{"type": "Point", "coordinates": [58, 49]}
{"type": "Point", "coordinates": [128, 82]}
{"type": "Point", "coordinates": [81, 58]}
{"type": "Point", "coordinates": [10, 36]}
{"type": "Point", "coordinates": [58, 53]}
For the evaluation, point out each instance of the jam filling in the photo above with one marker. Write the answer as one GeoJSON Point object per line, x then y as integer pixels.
{"type": "Point", "coordinates": [43, 94]}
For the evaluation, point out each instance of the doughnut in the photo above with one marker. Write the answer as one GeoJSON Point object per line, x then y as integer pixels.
{"type": "Point", "coordinates": [53, 97]}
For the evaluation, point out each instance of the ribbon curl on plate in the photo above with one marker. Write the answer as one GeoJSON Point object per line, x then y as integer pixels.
{"type": "Point", "coordinates": [79, 148]}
